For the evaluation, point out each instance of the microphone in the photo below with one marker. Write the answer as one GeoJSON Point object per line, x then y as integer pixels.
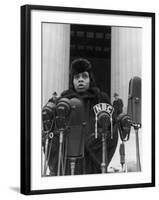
{"type": "Point", "coordinates": [103, 117]}
{"type": "Point", "coordinates": [48, 111]}
{"type": "Point", "coordinates": [63, 109]}
{"type": "Point", "coordinates": [48, 114]}
{"type": "Point", "coordinates": [124, 126]}
{"type": "Point", "coordinates": [104, 121]}
{"type": "Point", "coordinates": [76, 124]}
{"type": "Point", "coordinates": [134, 100]}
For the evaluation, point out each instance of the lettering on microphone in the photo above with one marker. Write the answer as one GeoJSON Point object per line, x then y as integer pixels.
{"type": "Point", "coordinates": [98, 108]}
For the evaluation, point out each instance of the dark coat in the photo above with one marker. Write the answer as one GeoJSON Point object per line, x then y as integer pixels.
{"type": "Point", "coordinates": [91, 163]}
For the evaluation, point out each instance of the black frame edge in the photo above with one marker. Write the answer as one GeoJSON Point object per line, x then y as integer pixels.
{"type": "Point", "coordinates": [92, 188]}
{"type": "Point", "coordinates": [153, 98]}
{"type": "Point", "coordinates": [25, 101]}
{"type": "Point", "coordinates": [89, 10]}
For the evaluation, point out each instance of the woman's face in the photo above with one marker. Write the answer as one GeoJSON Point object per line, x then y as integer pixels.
{"type": "Point", "coordinates": [81, 82]}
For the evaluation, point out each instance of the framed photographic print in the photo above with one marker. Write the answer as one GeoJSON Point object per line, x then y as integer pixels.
{"type": "Point", "coordinates": [87, 99]}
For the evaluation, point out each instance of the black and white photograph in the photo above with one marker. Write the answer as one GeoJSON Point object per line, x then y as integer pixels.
{"type": "Point", "coordinates": [89, 82]}
{"type": "Point", "coordinates": [91, 106]}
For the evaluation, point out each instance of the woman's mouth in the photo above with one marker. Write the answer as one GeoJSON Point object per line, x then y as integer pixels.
{"type": "Point", "coordinates": [80, 86]}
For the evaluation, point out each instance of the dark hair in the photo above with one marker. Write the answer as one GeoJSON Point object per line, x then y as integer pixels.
{"type": "Point", "coordinates": [80, 65]}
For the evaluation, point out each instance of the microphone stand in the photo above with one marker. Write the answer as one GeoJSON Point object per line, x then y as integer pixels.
{"type": "Point", "coordinates": [104, 153]}
{"type": "Point", "coordinates": [136, 127]}
{"type": "Point", "coordinates": [47, 151]}
{"type": "Point", "coordinates": [122, 150]}
{"type": "Point", "coordinates": [72, 162]}
{"type": "Point", "coordinates": [45, 157]}
{"type": "Point", "coordinates": [138, 163]}
{"type": "Point", "coordinates": [60, 160]}
{"type": "Point", "coordinates": [122, 157]}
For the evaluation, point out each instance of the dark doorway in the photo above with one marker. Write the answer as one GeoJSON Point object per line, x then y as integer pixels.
{"type": "Point", "coordinates": [93, 43]}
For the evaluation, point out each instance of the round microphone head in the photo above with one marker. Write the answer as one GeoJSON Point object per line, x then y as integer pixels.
{"type": "Point", "coordinates": [48, 111]}
{"type": "Point", "coordinates": [63, 107]}
{"type": "Point", "coordinates": [124, 124]}
{"type": "Point", "coordinates": [76, 103]}
{"type": "Point", "coordinates": [77, 112]}
{"type": "Point", "coordinates": [104, 120]}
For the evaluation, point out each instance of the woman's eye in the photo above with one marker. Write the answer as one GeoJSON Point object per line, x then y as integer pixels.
{"type": "Point", "coordinates": [85, 76]}
{"type": "Point", "coordinates": [76, 76]}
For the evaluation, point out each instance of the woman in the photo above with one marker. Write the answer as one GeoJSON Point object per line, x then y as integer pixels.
{"type": "Point", "coordinates": [82, 86]}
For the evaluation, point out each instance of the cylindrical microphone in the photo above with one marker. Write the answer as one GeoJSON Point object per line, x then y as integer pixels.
{"type": "Point", "coordinates": [76, 124]}
{"type": "Point", "coordinates": [134, 100]}
{"type": "Point", "coordinates": [134, 111]}
{"type": "Point", "coordinates": [63, 109]}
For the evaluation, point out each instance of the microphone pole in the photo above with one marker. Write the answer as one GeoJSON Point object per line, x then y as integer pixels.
{"type": "Point", "coordinates": [60, 161]}
{"type": "Point", "coordinates": [47, 134]}
{"type": "Point", "coordinates": [73, 163]}
{"type": "Point", "coordinates": [122, 155]}
{"type": "Point", "coordinates": [104, 154]}
{"type": "Point", "coordinates": [45, 155]}
{"type": "Point", "coordinates": [104, 121]}
{"type": "Point", "coordinates": [47, 151]}
{"type": "Point", "coordinates": [138, 164]}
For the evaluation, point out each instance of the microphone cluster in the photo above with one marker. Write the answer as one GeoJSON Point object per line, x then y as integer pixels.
{"type": "Point", "coordinates": [56, 114]}
{"type": "Point", "coordinates": [65, 111]}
